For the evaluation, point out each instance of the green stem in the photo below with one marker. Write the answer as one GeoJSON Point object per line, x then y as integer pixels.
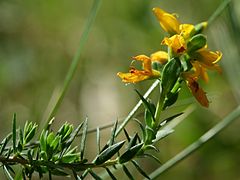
{"type": "Point", "coordinates": [197, 144]}
{"type": "Point", "coordinates": [160, 106]}
{"type": "Point", "coordinates": [218, 11]}
{"type": "Point", "coordinates": [75, 60]}
{"type": "Point", "coordinates": [133, 111]}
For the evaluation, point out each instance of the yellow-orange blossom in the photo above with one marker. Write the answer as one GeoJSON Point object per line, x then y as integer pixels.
{"type": "Point", "coordinates": [201, 59]}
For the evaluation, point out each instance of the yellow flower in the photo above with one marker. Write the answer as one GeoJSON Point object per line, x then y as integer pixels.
{"type": "Point", "coordinates": [168, 21]}
{"type": "Point", "coordinates": [197, 92]}
{"type": "Point", "coordinates": [186, 30]}
{"type": "Point", "coordinates": [176, 42]}
{"type": "Point", "coordinates": [200, 71]}
{"type": "Point", "coordinates": [159, 56]}
{"type": "Point", "coordinates": [135, 75]}
{"type": "Point", "coordinates": [202, 60]}
{"type": "Point", "coordinates": [207, 58]}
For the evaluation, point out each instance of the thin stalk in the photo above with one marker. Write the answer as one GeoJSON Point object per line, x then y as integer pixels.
{"type": "Point", "coordinates": [76, 59]}
{"type": "Point", "coordinates": [218, 11]}
{"type": "Point", "coordinates": [197, 144]}
{"type": "Point", "coordinates": [133, 111]}
{"type": "Point", "coordinates": [160, 106]}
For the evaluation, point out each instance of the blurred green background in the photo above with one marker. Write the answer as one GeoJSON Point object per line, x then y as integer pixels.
{"type": "Point", "coordinates": [38, 39]}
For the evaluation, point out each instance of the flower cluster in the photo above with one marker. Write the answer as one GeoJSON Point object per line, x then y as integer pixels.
{"type": "Point", "coordinates": [188, 48]}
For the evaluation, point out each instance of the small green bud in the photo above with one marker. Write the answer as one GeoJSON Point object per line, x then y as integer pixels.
{"type": "Point", "coordinates": [200, 27]}
{"type": "Point", "coordinates": [196, 42]}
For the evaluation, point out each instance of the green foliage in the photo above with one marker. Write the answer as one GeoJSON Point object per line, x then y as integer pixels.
{"type": "Point", "coordinates": [53, 154]}
{"type": "Point", "coordinates": [196, 42]}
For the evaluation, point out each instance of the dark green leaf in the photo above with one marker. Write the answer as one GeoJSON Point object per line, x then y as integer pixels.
{"type": "Point", "coordinates": [67, 131]}
{"type": "Point", "coordinates": [111, 142]}
{"type": "Point", "coordinates": [4, 142]}
{"type": "Point", "coordinates": [43, 141]}
{"type": "Point", "coordinates": [170, 74]}
{"type": "Point", "coordinates": [133, 141]}
{"type": "Point", "coordinates": [29, 156]}
{"type": "Point", "coordinates": [105, 147]}
{"type": "Point", "coordinates": [55, 143]}
{"type": "Point", "coordinates": [69, 158]}
{"type": "Point", "coordinates": [84, 137]}
{"type": "Point", "coordinates": [127, 172]}
{"type": "Point", "coordinates": [111, 174]}
{"type": "Point", "coordinates": [59, 172]}
{"type": "Point", "coordinates": [140, 169]}
{"type": "Point", "coordinates": [21, 136]}
{"type": "Point", "coordinates": [126, 134]}
{"type": "Point", "coordinates": [150, 135]}
{"type": "Point", "coordinates": [75, 175]}
{"type": "Point", "coordinates": [73, 135]}
{"type": "Point", "coordinates": [141, 126]}
{"type": "Point", "coordinates": [108, 153]}
{"type": "Point", "coordinates": [19, 147]}
{"type": "Point", "coordinates": [149, 119]}
{"type": "Point", "coordinates": [147, 105]}
{"type": "Point", "coordinates": [50, 138]}
{"type": "Point", "coordinates": [30, 133]}
{"type": "Point", "coordinates": [196, 42]}
{"type": "Point", "coordinates": [170, 99]}
{"type": "Point", "coordinates": [94, 175]}
{"type": "Point", "coordinates": [130, 153]}
{"type": "Point", "coordinates": [165, 121]}
{"type": "Point", "coordinates": [14, 133]}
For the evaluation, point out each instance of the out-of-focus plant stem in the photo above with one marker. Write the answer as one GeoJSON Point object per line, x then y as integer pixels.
{"type": "Point", "coordinates": [218, 11]}
{"type": "Point", "coordinates": [75, 61]}
{"type": "Point", "coordinates": [197, 144]}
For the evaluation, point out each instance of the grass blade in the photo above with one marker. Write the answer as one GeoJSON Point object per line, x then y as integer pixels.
{"type": "Point", "coordinates": [76, 59]}
{"type": "Point", "coordinates": [197, 144]}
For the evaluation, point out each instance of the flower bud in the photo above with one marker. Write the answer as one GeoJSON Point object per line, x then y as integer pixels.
{"type": "Point", "coordinates": [200, 27]}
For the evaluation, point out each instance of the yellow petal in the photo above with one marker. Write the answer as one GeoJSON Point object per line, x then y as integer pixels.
{"type": "Point", "coordinates": [135, 76]}
{"type": "Point", "coordinates": [186, 30]}
{"type": "Point", "coordinates": [176, 42]}
{"type": "Point", "coordinates": [208, 57]}
{"type": "Point", "coordinates": [198, 92]}
{"type": "Point", "coordinates": [160, 56]}
{"type": "Point", "coordinates": [168, 22]}
{"type": "Point", "coordinates": [147, 64]}
{"type": "Point", "coordinates": [200, 71]}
